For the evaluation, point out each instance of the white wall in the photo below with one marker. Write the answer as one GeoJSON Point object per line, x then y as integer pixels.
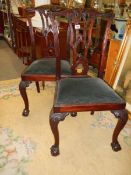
{"type": "Point", "coordinates": [36, 20]}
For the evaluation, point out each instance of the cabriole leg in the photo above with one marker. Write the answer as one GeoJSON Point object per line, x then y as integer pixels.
{"type": "Point", "coordinates": [122, 116]}
{"type": "Point", "coordinates": [55, 118]}
{"type": "Point", "coordinates": [37, 86]}
{"type": "Point", "coordinates": [22, 88]}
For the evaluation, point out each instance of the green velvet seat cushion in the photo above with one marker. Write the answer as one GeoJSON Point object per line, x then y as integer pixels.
{"type": "Point", "coordinates": [47, 67]}
{"type": "Point", "coordinates": [78, 91]}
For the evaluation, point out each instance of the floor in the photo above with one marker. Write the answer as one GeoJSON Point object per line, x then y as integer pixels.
{"type": "Point", "coordinates": [10, 65]}
{"type": "Point", "coordinates": [25, 142]}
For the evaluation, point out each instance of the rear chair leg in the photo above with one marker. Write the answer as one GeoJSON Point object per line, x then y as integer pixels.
{"type": "Point", "coordinates": [43, 85]}
{"type": "Point", "coordinates": [37, 86]}
{"type": "Point", "coordinates": [92, 112]}
{"type": "Point", "coordinates": [122, 116]}
{"type": "Point", "coordinates": [73, 114]}
{"type": "Point", "coordinates": [22, 89]}
{"type": "Point", "coordinates": [55, 118]}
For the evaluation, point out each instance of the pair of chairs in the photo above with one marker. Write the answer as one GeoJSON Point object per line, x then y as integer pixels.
{"type": "Point", "coordinates": [75, 90]}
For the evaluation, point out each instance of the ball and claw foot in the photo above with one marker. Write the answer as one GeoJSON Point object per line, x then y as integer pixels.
{"type": "Point", "coordinates": [54, 150]}
{"type": "Point", "coordinates": [92, 112]}
{"type": "Point", "coordinates": [116, 146]}
{"type": "Point", "coordinates": [25, 112]}
{"type": "Point", "coordinates": [73, 114]}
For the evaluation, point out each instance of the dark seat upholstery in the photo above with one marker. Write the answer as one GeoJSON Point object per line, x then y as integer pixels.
{"type": "Point", "coordinates": [47, 67]}
{"type": "Point", "coordinates": [87, 91]}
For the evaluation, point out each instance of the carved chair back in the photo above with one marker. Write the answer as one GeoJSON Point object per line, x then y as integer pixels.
{"type": "Point", "coordinates": [80, 29]}
{"type": "Point", "coordinates": [49, 30]}
{"type": "Point", "coordinates": [81, 38]}
{"type": "Point", "coordinates": [86, 39]}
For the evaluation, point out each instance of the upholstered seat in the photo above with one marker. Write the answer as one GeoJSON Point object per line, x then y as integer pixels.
{"type": "Point", "coordinates": [47, 67]}
{"type": "Point", "coordinates": [79, 91]}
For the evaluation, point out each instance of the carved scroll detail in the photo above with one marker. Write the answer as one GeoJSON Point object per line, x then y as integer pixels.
{"type": "Point", "coordinates": [56, 117]}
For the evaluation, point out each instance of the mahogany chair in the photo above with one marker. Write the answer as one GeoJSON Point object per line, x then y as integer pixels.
{"type": "Point", "coordinates": [78, 94]}
{"type": "Point", "coordinates": [44, 69]}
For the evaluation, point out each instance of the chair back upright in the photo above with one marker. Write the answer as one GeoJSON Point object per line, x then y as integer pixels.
{"type": "Point", "coordinates": [100, 39]}
{"type": "Point", "coordinates": [106, 20]}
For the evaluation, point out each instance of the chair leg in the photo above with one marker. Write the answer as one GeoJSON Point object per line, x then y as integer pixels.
{"type": "Point", "coordinates": [122, 116]}
{"type": "Point", "coordinates": [37, 86]}
{"type": "Point", "coordinates": [92, 112]}
{"type": "Point", "coordinates": [22, 89]}
{"type": "Point", "coordinates": [55, 118]}
{"type": "Point", "coordinates": [43, 85]}
{"type": "Point", "coordinates": [73, 114]}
